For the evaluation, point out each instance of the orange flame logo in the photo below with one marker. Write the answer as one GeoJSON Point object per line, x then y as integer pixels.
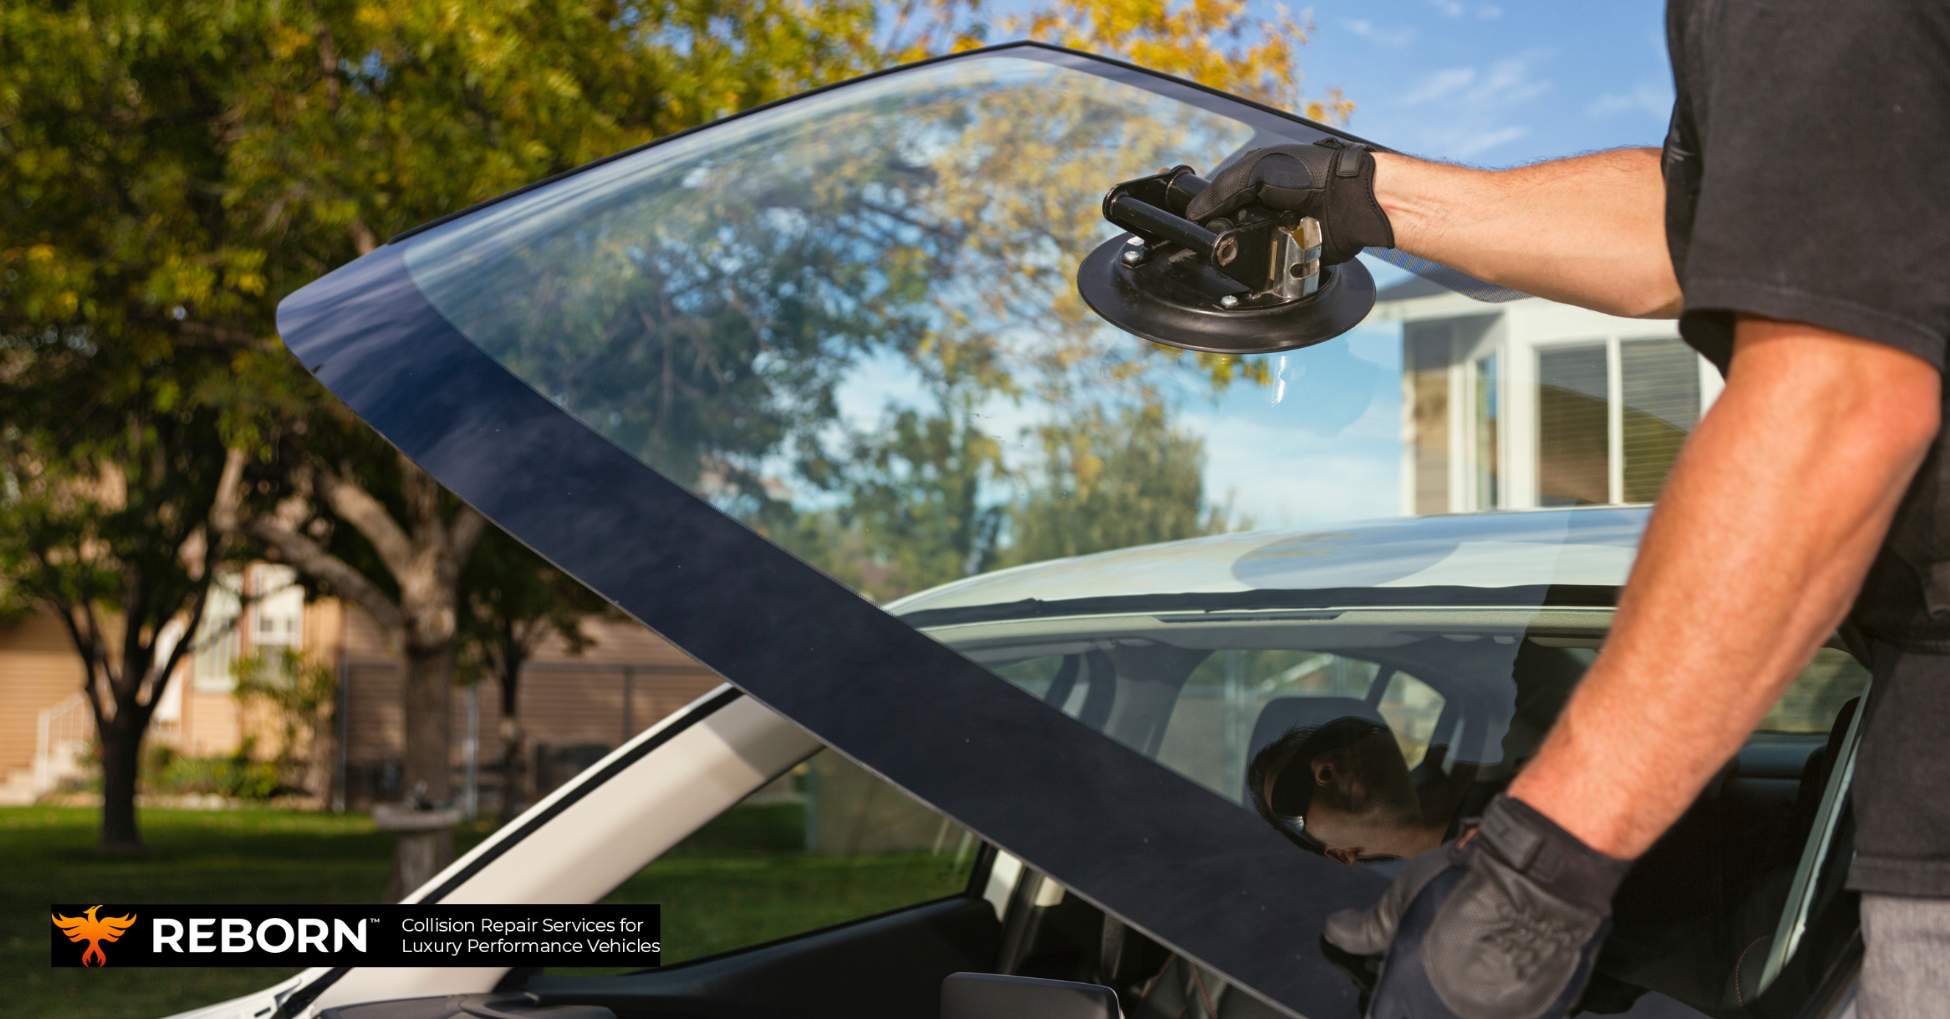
{"type": "Point", "coordinates": [94, 931]}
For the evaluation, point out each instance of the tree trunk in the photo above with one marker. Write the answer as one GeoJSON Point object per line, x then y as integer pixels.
{"type": "Point", "coordinates": [426, 767]}
{"type": "Point", "coordinates": [514, 794]}
{"type": "Point", "coordinates": [514, 787]}
{"type": "Point", "coordinates": [426, 772]}
{"type": "Point", "coordinates": [121, 746]}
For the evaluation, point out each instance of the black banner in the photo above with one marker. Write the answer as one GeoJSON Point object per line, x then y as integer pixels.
{"type": "Point", "coordinates": [123, 934]}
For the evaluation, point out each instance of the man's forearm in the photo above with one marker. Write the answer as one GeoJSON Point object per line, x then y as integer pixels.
{"type": "Point", "coordinates": [1589, 230]}
{"type": "Point", "coordinates": [1758, 545]}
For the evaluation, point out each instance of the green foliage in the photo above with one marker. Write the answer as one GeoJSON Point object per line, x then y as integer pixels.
{"type": "Point", "coordinates": [1113, 479]}
{"type": "Point", "coordinates": [511, 601]}
{"type": "Point", "coordinates": [298, 695]}
{"type": "Point", "coordinates": [928, 497]}
{"type": "Point", "coordinates": [239, 775]}
{"type": "Point", "coordinates": [922, 490]}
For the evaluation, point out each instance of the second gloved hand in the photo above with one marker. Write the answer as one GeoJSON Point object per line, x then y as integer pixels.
{"type": "Point", "coordinates": [1505, 924]}
{"type": "Point", "coordinates": [1329, 180]}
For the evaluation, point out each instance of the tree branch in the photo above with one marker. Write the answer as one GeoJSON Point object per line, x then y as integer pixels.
{"type": "Point", "coordinates": [90, 657]}
{"type": "Point", "coordinates": [223, 509]}
{"type": "Point", "coordinates": [464, 532]}
{"type": "Point", "coordinates": [307, 556]}
{"type": "Point", "coordinates": [368, 515]}
{"type": "Point", "coordinates": [220, 525]}
{"type": "Point", "coordinates": [422, 504]}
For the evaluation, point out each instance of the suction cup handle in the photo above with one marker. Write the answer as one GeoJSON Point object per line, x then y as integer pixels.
{"type": "Point", "coordinates": [1181, 187]}
{"type": "Point", "coordinates": [1249, 254]}
{"type": "Point", "coordinates": [1148, 220]}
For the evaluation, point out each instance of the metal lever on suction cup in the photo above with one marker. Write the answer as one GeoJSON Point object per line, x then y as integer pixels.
{"type": "Point", "coordinates": [1250, 283]}
{"type": "Point", "coordinates": [1273, 260]}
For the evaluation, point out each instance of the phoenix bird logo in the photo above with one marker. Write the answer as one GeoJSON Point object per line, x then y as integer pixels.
{"type": "Point", "coordinates": [94, 931]}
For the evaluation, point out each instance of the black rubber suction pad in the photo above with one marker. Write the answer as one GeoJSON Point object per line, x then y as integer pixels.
{"type": "Point", "coordinates": [1164, 299]}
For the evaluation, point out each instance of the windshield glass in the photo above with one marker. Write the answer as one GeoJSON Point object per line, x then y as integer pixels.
{"type": "Point", "coordinates": [850, 322]}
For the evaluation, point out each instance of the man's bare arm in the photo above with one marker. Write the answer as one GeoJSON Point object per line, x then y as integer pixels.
{"type": "Point", "coordinates": [1757, 547]}
{"type": "Point", "coordinates": [1589, 230]}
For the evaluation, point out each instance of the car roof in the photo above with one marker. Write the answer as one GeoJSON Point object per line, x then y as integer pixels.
{"type": "Point", "coordinates": [1586, 546]}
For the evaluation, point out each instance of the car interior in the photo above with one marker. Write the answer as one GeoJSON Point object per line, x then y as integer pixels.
{"type": "Point", "coordinates": [1738, 913]}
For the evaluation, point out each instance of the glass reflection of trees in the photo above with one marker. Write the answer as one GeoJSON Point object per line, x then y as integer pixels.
{"type": "Point", "coordinates": [714, 309]}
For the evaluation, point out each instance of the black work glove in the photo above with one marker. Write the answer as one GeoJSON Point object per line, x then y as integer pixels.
{"type": "Point", "coordinates": [1504, 924]}
{"type": "Point", "coordinates": [1329, 180]}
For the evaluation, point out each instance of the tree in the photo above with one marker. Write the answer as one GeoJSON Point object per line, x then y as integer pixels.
{"type": "Point", "coordinates": [404, 571]}
{"type": "Point", "coordinates": [173, 167]}
{"type": "Point", "coordinates": [115, 500]}
{"type": "Point", "coordinates": [1114, 479]}
{"type": "Point", "coordinates": [924, 491]}
{"type": "Point", "coordinates": [512, 601]}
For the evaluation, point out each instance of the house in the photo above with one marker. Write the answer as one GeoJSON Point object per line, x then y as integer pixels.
{"type": "Point", "coordinates": [572, 707]}
{"type": "Point", "coordinates": [1532, 403]}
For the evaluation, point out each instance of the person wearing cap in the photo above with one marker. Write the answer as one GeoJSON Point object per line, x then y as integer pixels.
{"type": "Point", "coordinates": [1794, 222]}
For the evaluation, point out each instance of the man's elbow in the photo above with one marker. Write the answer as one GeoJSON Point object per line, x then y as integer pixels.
{"type": "Point", "coordinates": [1896, 404]}
{"type": "Point", "coordinates": [1911, 426]}
{"type": "Point", "coordinates": [1665, 304]}
{"type": "Point", "coordinates": [1882, 402]}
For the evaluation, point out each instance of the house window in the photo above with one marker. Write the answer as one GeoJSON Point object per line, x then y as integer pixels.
{"type": "Point", "coordinates": [1661, 388]}
{"type": "Point", "coordinates": [277, 608]}
{"type": "Point", "coordinates": [1486, 426]}
{"type": "Point", "coordinates": [277, 618]}
{"type": "Point", "coordinates": [1611, 417]}
{"type": "Point", "coordinates": [1573, 426]}
{"type": "Point", "coordinates": [217, 639]}
{"type": "Point", "coordinates": [1428, 362]}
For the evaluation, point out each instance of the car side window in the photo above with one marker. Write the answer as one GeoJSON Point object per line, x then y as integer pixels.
{"type": "Point", "coordinates": [825, 844]}
{"type": "Point", "coordinates": [1700, 921]}
{"type": "Point", "coordinates": [1811, 703]}
{"type": "Point", "coordinates": [1215, 725]}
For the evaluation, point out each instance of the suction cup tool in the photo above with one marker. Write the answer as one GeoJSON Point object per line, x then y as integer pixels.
{"type": "Point", "coordinates": [1251, 286]}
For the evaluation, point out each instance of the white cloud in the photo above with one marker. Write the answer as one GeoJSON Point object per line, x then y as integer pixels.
{"type": "Point", "coordinates": [1439, 85]}
{"type": "Point", "coordinates": [1478, 142]}
{"type": "Point", "coordinates": [1464, 112]}
{"type": "Point", "coordinates": [1648, 98]}
{"type": "Point", "coordinates": [1460, 9]}
{"type": "Point", "coordinates": [1504, 83]}
{"type": "Point", "coordinates": [1393, 38]}
{"type": "Point", "coordinates": [1510, 81]}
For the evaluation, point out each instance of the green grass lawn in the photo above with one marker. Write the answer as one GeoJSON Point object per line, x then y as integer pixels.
{"type": "Point", "coordinates": [741, 880]}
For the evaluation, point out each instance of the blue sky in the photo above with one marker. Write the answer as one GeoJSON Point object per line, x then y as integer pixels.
{"type": "Point", "coordinates": [1495, 82]}
{"type": "Point", "coordinates": [1486, 82]}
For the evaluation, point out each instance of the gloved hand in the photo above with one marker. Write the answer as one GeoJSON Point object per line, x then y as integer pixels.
{"type": "Point", "coordinates": [1329, 180]}
{"type": "Point", "coordinates": [1504, 924]}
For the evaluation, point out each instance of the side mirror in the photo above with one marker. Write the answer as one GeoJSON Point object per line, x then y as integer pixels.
{"type": "Point", "coordinates": [995, 996]}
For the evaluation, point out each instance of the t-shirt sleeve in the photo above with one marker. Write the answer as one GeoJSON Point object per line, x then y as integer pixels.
{"type": "Point", "coordinates": [1824, 194]}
